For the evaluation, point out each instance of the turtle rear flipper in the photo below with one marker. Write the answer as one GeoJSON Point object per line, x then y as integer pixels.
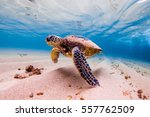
{"type": "Point", "coordinates": [55, 54]}
{"type": "Point", "coordinates": [83, 67]}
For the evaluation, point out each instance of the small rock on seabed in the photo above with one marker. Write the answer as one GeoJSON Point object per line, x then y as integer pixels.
{"type": "Point", "coordinates": [29, 71]}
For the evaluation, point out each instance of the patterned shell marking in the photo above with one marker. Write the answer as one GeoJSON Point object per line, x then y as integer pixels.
{"type": "Point", "coordinates": [84, 41]}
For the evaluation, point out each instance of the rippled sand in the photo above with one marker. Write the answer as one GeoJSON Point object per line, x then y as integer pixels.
{"type": "Point", "coordinates": [119, 79]}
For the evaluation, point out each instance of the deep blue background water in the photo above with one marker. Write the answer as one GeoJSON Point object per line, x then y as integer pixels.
{"type": "Point", "coordinates": [121, 29]}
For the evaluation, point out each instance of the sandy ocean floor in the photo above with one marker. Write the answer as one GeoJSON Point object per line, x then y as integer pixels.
{"type": "Point", "coordinates": [119, 79]}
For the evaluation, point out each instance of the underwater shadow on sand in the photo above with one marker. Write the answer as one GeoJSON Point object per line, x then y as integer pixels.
{"type": "Point", "coordinates": [71, 76]}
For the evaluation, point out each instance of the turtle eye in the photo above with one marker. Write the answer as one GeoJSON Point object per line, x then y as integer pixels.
{"type": "Point", "coordinates": [51, 37]}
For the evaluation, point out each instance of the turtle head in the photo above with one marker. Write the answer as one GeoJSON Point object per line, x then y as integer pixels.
{"type": "Point", "coordinates": [52, 40]}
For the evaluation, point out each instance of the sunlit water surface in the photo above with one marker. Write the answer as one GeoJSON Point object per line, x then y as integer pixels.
{"type": "Point", "coordinates": [120, 27]}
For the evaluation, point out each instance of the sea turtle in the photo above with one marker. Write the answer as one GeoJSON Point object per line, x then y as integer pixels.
{"type": "Point", "coordinates": [79, 49]}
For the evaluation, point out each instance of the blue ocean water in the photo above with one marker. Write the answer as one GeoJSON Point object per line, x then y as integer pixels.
{"type": "Point", "coordinates": [120, 28]}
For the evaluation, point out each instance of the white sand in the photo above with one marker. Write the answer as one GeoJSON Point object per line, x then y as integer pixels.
{"type": "Point", "coordinates": [62, 81]}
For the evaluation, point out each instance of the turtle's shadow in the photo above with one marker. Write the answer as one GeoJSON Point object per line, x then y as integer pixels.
{"type": "Point", "coordinates": [72, 76]}
{"type": "Point", "coordinates": [97, 72]}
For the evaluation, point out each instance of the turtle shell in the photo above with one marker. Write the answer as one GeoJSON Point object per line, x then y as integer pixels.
{"type": "Point", "coordinates": [84, 41]}
{"type": "Point", "coordinates": [90, 48]}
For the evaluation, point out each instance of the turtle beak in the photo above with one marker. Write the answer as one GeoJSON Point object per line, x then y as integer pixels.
{"type": "Point", "coordinates": [47, 39]}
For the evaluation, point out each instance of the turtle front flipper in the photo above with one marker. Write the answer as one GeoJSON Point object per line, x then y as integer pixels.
{"type": "Point", "coordinates": [83, 67]}
{"type": "Point", "coordinates": [55, 54]}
